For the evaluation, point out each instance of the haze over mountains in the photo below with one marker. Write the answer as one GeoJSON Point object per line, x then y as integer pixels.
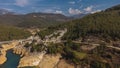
{"type": "Point", "coordinates": [4, 11]}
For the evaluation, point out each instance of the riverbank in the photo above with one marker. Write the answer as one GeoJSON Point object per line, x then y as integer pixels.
{"type": "Point", "coordinates": [12, 60]}
{"type": "Point", "coordinates": [32, 59]}
{"type": "Point", "coordinates": [41, 60]}
{"type": "Point", "coordinates": [4, 48]}
{"type": "Point", "coordinates": [3, 57]}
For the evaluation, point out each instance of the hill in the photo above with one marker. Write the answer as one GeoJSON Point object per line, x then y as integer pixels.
{"type": "Point", "coordinates": [32, 19]}
{"type": "Point", "coordinates": [104, 24]}
{"type": "Point", "coordinates": [90, 42]}
{"type": "Point", "coordinates": [78, 16]}
{"type": "Point", "coordinates": [12, 33]}
{"type": "Point", "coordinates": [117, 7]}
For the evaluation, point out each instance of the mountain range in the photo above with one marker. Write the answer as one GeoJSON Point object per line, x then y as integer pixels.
{"type": "Point", "coordinates": [31, 19]}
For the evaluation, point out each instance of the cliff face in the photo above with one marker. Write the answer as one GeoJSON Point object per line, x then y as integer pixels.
{"type": "Point", "coordinates": [49, 61]}
{"type": "Point", "coordinates": [21, 51]}
{"type": "Point", "coordinates": [31, 59]}
{"type": "Point", "coordinates": [9, 45]}
{"type": "Point", "coordinates": [3, 57]}
{"type": "Point", "coordinates": [41, 60]}
{"type": "Point", "coordinates": [44, 61]}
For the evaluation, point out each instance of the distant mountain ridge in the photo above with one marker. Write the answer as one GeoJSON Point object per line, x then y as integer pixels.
{"type": "Point", "coordinates": [32, 19]}
{"type": "Point", "coordinates": [78, 16]}
{"type": "Point", "coordinates": [4, 11]}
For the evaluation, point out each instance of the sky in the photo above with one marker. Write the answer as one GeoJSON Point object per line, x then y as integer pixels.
{"type": "Point", "coordinates": [66, 7]}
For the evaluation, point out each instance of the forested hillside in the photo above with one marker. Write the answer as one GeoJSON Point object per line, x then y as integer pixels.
{"type": "Point", "coordinates": [104, 24]}
{"type": "Point", "coordinates": [12, 33]}
{"type": "Point", "coordinates": [90, 42]}
{"type": "Point", "coordinates": [114, 8]}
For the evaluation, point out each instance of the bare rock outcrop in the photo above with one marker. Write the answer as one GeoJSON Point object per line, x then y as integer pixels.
{"type": "Point", "coordinates": [49, 61]}
{"type": "Point", "coordinates": [22, 51]}
{"type": "Point", "coordinates": [3, 57]}
{"type": "Point", "coordinates": [31, 60]}
{"type": "Point", "coordinates": [63, 64]}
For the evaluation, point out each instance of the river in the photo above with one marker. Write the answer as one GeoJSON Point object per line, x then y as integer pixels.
{"type": "Point", "coordinates": [12, 60]}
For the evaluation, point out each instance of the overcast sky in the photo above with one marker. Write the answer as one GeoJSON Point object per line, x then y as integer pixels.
{"type": "Point", "coordinates": [66, 7]}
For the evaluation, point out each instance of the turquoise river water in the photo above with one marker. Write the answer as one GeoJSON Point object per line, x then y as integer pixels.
{"type": "Point", "coordinates": [12, 60]}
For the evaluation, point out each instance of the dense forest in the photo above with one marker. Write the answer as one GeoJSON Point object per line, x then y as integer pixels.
{"type": "Point", "coordinates": [12, 33]}
{"type": "Point", "coordinates": [104, 24]}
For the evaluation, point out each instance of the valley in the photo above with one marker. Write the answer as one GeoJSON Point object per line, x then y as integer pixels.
{"type": "Point", "coordinates": [46, 40]}
{"type": "Point", "coordinates": [37, 52]}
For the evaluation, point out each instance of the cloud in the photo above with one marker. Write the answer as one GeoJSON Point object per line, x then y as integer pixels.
{"type": "Point", "coordinates": [48, 10]}
{"type": "Point", "coordinates": [89, 9]}
{"type": "Point", "coordinates": [22, 3]}
{"type": "Point", "coordinates": [8, 9]}
{"type": "Point", "coordinates": [53, 11]}
{"type": "Point", "coordinates": [59, 12]}
{"type": "Point", "coordinates": [72, 2]}
{"type": "Point", "coordinates": [95, 11]}
{"type": "Point", "coordinates": [74, 11]}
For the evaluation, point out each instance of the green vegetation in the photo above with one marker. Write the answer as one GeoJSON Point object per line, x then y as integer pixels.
{"type": "Point", "coordinates": [74, 56]}
{"type": "Point", "coordinates": [55, 48]}
{"type": "Point", "coordinates": [104, 24]}
{"type": "Point", "coordinates": [69, 50]}
{"type": "Point", "coordinates": [39, 20]}
{"type": "Point", "coordinates": [48, 31]}
{"type": "Point", "coordinates": [35, 47]}
{"type": "Point", "coordinates": [100, 50]}
{"type": "Point", "coordinates": [114, 8]}
{"type": "Point", "coordinates": [12, 33]}
{"type": "Point", "coordinates": [79, 55]}
{"type": "Point", "coordinates": [73, 52]}
{"type": "Point", "coordinates": [95, 64]}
